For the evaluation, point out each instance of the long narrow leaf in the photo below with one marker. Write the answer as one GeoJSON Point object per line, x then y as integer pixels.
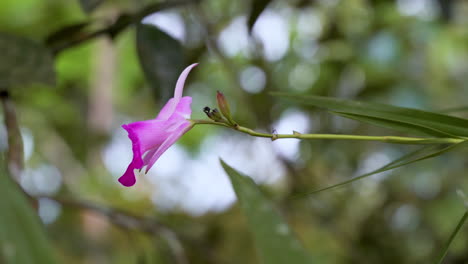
{"type": "Point", "coordinates": [272, 236]}
{"type": "Point", "coordinates": [399, 126]}
{"type": "Point", "coordinates": [402, 161]}
{"type": "Point", "coordinates": [454, 109]}
{"type": "Point", "coordinates": [452, 237]}
{"type": "Point", "coordinates": [256, 8]}
{"type": "Point", "coordinates": [424, 120]}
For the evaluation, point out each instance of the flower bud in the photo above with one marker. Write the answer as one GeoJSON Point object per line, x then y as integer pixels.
{"type": "Point", "coordinates": [213, 114]}
{"type": "Point", "coordinates": [223, 104]}
{"type": "Point", "coordinates": [224, 107]}
{"type": "Point", "coordinates": [216, 116]}
{"type": "Point", "coordinates": [207, 111]}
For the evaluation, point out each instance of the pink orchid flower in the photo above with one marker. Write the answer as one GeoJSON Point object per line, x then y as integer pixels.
{"type": "Point", "coordinates": [151, 138]}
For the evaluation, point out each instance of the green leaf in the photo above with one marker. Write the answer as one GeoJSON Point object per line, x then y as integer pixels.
{"type": "Point", "coordinates": [24, 62]}
{"type": "Point", "coordinates": [412, 119]}
{"type": "Point", "coordinates": [89, 5]}
{"type": "Point", "coordinates": [399, 126]}
{"type": "Point", "coordinates": [162, 59]}
{"type": "Point", "coordinates": [256, 9]}
{"type": "Point", "coordinates": [452, 237]}
{"type": "Point", "coordinates": [407, 159]}
{"type": "Point", "coordinates": [454, 109]}
{"type": "Point", "coordinates": [273, 237]}
{"type": "Point", "coordinates": [22, 239]}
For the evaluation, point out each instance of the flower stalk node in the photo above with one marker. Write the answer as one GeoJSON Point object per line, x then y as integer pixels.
{"type": "Point", "coordinates": [274, 137]}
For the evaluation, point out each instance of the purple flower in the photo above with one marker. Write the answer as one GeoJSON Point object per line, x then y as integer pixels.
{"type": "Point", "coordinates": [150, 138]}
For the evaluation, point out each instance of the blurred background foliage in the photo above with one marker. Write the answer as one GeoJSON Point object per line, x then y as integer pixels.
{"type": "Point", "coordinates": [78, 69]}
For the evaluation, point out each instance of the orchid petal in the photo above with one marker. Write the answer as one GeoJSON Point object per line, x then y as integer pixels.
{"type": "Point", "coordinates": [182, 107]}
{"type": "Point", "coordinates": [181, 81]}
{"type": "Point", "coordinates": [145, 135]}
{"type": "Point", "coordinates": [167, 110]}
{"type": "Point", "coordinates": [171, 105]}
{"type": "Point", "coordinates": [183, 127]}
{"type": "Point", "coordinates": [148, 155]}
{"type": "Point", "coordinates": [128, 178]}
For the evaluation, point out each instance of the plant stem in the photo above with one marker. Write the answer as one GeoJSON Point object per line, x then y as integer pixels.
{"type": "Point", "coordinates": [129, 221]}
{"type": "Point", "coordinates": [297, 135]}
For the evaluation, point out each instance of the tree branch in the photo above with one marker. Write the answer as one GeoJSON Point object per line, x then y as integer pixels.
{"type": "Point", "coordinates": [15, 141]}
{"type": "Point", "coordinates": [122, 22]}
{"type": "Point", "coordinates": [131, 222]}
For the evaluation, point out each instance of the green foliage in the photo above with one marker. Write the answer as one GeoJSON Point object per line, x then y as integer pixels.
{"type": "Point", "coordinates": [399, 118]}
{"type": "Point", "coordinates": [89, 5]}
{"type": "Point", "coordinates": [452, 237]}
{"type": "Point", "coordinates": [368, 51]}
{"type": "Point", "coordinates": [24, 62]}
{"type": "Point", "coordinates": [394, 125]}
{"type": "Point", "coordinates": [273, 237]}
{"type": "Point", "coordinates": [256, 9]}
{"type": "Point", "coordinates": [412, 157]}
{"type": "Point", "coordinates": [162, 59]}
{"type": "Point", "coordinates": [22, 238]}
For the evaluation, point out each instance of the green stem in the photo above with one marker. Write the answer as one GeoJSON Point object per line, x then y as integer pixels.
{"type": "Point", "coordinates": [387, 139]}
{"type": "Point", "coordinates": [452, 237]}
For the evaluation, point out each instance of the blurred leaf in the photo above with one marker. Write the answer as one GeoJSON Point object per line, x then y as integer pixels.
{"type": "Point", "coordinates": [273, 237]}
{"type": "Point", "coordinates": [399, 126]}
{"type": "Point", "coordinates": [89, 5]}
{"type": "Point", "coordinates": [411, 119]}
{"type": "Point", "coordinates": [256, 9]}
{"type": "Point", "coordinates": [66, 33]}
{"type": "Point", "coordinates": [162, 59]}
{"type": "Point", "coordinates": [22, 238]}
{"type": "Point", "coordinates": [120, 24]}
{"type": "Point", "coordinates": [455, 109]}
{"type": "Point", "coordinates": [452, 237]}
{"type": "Point", "coordinates": [24, 62]}
{"type": "Point", "coordinates": [407, 159]}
